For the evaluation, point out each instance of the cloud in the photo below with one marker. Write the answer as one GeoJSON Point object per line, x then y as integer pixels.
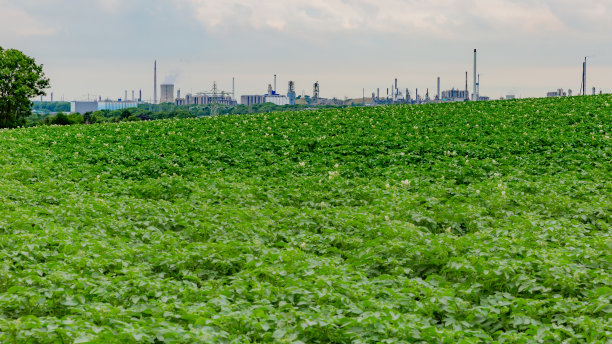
{"type": "Point", "coordinates": [437, 18]}
{"type": "Point", "coordinates": [17, 22]}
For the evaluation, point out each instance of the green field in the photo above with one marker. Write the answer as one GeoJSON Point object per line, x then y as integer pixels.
{"type": "Point", "coordinates": [454, 223]}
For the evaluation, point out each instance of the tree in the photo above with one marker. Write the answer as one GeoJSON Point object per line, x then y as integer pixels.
{"type": "Point", "coordinates": [20, 80]}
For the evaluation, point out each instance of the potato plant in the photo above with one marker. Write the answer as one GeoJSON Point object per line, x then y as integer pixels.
{"type": "Point", "coordinates": [485, 222]}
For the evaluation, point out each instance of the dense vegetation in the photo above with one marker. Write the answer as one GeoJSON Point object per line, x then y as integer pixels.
{"type": "Point", "coordinates": [20, 80]}
{"type": "Point", "coordinates": [453, 223]}
{"type": "Point", "coordinates": [148, 112]}
{"type": "Point", "coordinates": [49, 107]}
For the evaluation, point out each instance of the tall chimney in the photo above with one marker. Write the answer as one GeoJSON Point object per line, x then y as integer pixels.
{"type": "Point", "coordinates": [155, 82]}
{"type": "Point", "coordinates": [233, 88]}
{"type": "Point", "coordinates": [584, 77]}
{"type": "Point", "coordinates": [475, 93]}
{"type": "Point", "coordinates": [467, 95]}
{"type": "Point", "coordinates": [438, 96]}
{"type": "Point", "coordinates": [274, 83]}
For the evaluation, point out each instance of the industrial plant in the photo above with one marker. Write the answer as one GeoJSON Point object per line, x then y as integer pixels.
{"type": "Point", "coordinates": [393, 95]}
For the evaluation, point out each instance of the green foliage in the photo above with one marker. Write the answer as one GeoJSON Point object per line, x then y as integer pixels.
{"type": "Point", "coordinates": [485, 222]}
{"type": "Point", "coordinates": [49, 107]}
{"type": "Point", "coordinates": [20, 79]}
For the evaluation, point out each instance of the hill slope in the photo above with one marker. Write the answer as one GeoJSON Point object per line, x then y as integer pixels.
{"type": "Point", "coordinates": [476, 222]}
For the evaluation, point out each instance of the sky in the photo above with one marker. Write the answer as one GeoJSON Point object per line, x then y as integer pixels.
{"type": "Point", "coordinates": [93, 48]}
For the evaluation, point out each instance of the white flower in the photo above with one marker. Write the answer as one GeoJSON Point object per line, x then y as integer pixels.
{"type": "Point", "coordinates": [387, 185]}
{"type": "Point", "coordinates": [336, 166]}
{"type": "Point", "coordinates": [406, 182]}
{"type": "Point", "coordinates": [302, 164]}
{"type": "Point", "coordinates": [387, 218]}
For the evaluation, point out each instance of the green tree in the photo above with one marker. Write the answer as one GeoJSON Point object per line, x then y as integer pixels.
{"type": "Point", "coordinates": [20, 80]}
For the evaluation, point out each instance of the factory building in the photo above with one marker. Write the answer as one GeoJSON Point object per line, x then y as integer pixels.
{"type": "Point", "coordinates": [291, 93]}
{"type": "Point", "coordinates": [109, 105]}
{"type": "Point", "coordinates": [167, 93]}
{"type": "Point", "coordinates": [557, 93]}
{"type": "Point", "coordinates": [276, 99]}
{"type": "Point", "coordinates": [83, 107]}
{"type": "Point", "coordinates": [112, 105]}
{"type": "Point", "coordinates": [203, 99]}
{"type": "Point", "coordinates": [455, 95]}
{"type": "Point", "coordinates": [252, 99]}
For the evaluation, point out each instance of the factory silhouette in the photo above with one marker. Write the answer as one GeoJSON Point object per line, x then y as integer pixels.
{"type": "Point", "coordinates": [214, 96]}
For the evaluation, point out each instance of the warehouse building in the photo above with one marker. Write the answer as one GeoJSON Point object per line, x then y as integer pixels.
{"type": "Point", "coordinates": [252, 99]}
{"type": "Point", "coordinates": [83, 107]}
{"type": "Point", "coordinates": [112, 105]}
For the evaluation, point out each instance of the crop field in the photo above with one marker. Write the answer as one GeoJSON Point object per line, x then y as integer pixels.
{"type": "Point", "coordinates": [485, 222]}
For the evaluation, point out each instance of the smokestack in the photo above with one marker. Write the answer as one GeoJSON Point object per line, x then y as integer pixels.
{"type": "Point", "coordinates": [584, 77]}
{"type": "Point", "coordinates": [396, 83]}
{"type": "Point", "coordinates": [467, 95]}
{"type": "Point", "coordinates": [233, 88]}
{"type": "Point", "coordinates": [274, 83]}
{"type": "Point", "coordinates": [475, 93]}
{"type": "Point", "coordinates": [125, 99]}
{"type": "Point", "coordinates": [52, 97]}
{"type": "Point", "coordinates": [139, 95]}
{"type": "Point", "coordinates": [155, 82]}
{"type": "Point", "coordinates": [378, 94]}
{"type": "Point", "coordinates": [438, 96]}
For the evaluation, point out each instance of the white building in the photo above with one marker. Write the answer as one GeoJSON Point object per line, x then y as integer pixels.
{"type": "Point", "coordinates": [83, 107]}
{"type": "Point", "coordinates": [112, 105]}
{"type": "Point", "coordinates": [276, 99]}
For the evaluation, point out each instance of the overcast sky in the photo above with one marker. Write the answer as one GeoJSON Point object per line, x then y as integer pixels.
{"type": "Point", "coordinates": [103, 47]}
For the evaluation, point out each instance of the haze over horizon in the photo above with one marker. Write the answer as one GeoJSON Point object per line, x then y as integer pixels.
{"type": "Point", "coordinates": [103, 47]}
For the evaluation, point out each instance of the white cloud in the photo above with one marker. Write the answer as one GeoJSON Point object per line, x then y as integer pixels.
{"type": "Point", "coordinates": [15, 22]}
{"type": "Point", "coordinates": [448, 18]}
